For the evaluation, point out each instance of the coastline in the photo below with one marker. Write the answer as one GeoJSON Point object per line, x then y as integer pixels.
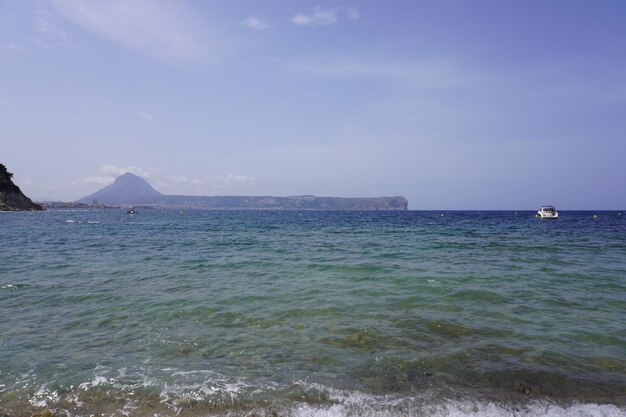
{"type": "Point", "coordinates": [301, 399]}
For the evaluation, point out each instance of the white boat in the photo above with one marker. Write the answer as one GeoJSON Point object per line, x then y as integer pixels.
{"type": "Point", "coordinates": [548, 212]}
{"type": "Point", "coordinates": [131, 210]}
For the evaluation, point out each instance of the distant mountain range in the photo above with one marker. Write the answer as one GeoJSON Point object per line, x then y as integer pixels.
{"type": "Point", "coordinates": [130, 189]}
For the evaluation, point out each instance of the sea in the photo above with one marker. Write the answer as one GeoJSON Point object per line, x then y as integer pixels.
{"type": "Point", "coordinates": [286, 313]}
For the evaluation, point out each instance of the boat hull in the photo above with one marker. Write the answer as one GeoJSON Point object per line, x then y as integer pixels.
{"type": "Point", "coordinates": [547, 216]}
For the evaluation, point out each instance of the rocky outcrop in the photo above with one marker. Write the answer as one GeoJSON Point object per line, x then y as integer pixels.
{"type": "Point", "coordinates": [11, 197]}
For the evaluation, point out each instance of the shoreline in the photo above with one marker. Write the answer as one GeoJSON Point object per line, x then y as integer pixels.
{"type": "Point", "coordinates": [338, 403]}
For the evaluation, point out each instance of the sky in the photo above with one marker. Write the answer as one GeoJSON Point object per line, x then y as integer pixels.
{"type": "Point", "coordinates": [484, 104]}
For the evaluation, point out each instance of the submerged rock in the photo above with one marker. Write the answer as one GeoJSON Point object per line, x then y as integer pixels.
{"type": "Point", "coordinates": [44, 413]}
{"type": "Point", "coordinates": [11, 197]}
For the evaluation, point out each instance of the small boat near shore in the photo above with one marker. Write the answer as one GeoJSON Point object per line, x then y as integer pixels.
{"type": "Point", "coordinates": [548, 212]}
{"type": "Point", "coordinates": [131, 210]}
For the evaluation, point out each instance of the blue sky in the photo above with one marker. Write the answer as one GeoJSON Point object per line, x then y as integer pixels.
{"type": "Point", "coordinates": [453, 104]}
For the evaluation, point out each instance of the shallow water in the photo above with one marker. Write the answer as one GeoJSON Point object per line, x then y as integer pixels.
{"type": "Point", "coordinates": [312, 313]}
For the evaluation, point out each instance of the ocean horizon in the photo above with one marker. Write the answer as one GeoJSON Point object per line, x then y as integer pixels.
{"type": "Point", "coordinates": [312, 313]}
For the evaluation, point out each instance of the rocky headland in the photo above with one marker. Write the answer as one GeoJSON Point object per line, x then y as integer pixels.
{"type": "Point", "coordinates": [11, 197]}
{"type": "Point", "coordinates": [130, 189]}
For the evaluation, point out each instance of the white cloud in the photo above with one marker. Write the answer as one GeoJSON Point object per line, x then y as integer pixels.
{"type": "Point", "coordinates": [214, 181]}
{"type": "Point", "coordinates": [165, 30]}
{"type": "Point", "coordinates": [254, 23]}
{"type": "Point", "coordinates": [102, 180]}
{"type": "Point", "coordinates": [16, 47]}
{"type": "Point", "coordinates": [117, 171]}
{"type": "Point", "coordinates": [236, 179]}
{"type": "Point", "coordinates": [324, 17]}
{"type": "Point", "coordinates": [353, 14]}
{"type": "Point", "coordinates": [47, 31]}
{"type": "Point", "coordinates": [148, 117]}
{"type": "Point", "coordinates": [109, 173]}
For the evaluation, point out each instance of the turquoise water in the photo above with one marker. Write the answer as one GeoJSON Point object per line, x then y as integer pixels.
{"type": "Point", "coordinates": [313, 313]}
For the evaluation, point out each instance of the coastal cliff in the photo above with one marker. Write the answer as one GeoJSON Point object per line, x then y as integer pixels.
{"type": "Point", "coordinates": [306, 202]}
{"type": "Point", "coordinates": [11, 197]}
{"type": "Point", "coordinates": [130, 189]}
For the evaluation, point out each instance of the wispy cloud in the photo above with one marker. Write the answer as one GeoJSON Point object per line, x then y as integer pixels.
{"type": "Point", "coordinates": [324, 17]}
{"type": "Point", "coordinates": [117, 171]}
{"type": "Point", "coordinates": [7, 105]}
{"type": "Point", "coordinates": [179, 179]}
{"type": "Point", "coordinates": [418, 75]}
{"type": "Point", "coordinates": [108, 174]}
{"type": "Point", "coordinates": [215, 181]}
{"type": "Point", "coordinates": [99, 180]}
{"type": "Point", "coordinates": [148, 117]}
{"type": "Point", "coordinates": [47, 30]}
{"type": "Point", "coordinates": [205, 184]}
{"type": "Point", "coordinates": [164, 30]}
{"type": "Point", "coordinates": [14, 47]}
{"type": "Point", "coordinates": [254, 23]}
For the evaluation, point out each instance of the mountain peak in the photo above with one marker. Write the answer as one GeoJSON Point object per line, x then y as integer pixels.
{"type": "Point", "coordinates": [127, 175]}
{"type": "Point", "coordinates": [130, 178]}
{"type": "Point", "coordinates": [126, 189]}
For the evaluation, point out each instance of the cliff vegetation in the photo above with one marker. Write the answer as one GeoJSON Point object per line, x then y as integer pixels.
{"type": "Point", "coordinates": [11, 197]}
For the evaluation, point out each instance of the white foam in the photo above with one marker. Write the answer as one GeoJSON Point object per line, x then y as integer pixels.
{"type": "Point", "coordinates": [44, 396]}
{"type": "Point", "coordinates": [355, 403]}
{"type": "Point", "coordinates": [76, 400]}
{"type": "Point", "coordinates": [456, 409]}
{"type": "Point", "coordinates": [325, 401]}
{"type": "Point", "coordinates": [98, 380]}
{"type": "Point", "coordinates": [188, 373]}
{"type": "Point", "coordinates": [213, 388]}
{"type": "Point", "coordinates": [69, 221]}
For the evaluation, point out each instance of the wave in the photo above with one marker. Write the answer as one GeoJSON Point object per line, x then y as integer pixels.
{"type": "Point", "coordinates": [216, 396]}
{"type": "Point", "coordinates": [71, 221]}
{"type": "Point", "coordinates": [13, 286]}
{"type": "Point", "coordinates": [466, 408]}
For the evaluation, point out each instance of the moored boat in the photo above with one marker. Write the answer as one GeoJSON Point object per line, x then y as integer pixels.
{"type": "Point", "coordinates": [548, 212]}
